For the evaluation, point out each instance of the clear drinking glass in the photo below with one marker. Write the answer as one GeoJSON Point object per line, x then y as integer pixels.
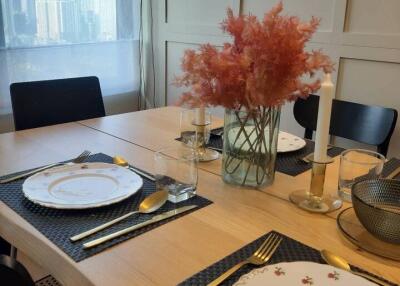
{"type": "Point", "coordinates": [357, 165]}
{"type": "Point", "coordinates": [191, 130]}
{"type": "Point", "coordinates": [176, 172]}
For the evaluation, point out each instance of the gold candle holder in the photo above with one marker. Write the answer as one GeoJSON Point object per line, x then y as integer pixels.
{"type": "Point", "coordinates": [195, 132]}
{"type": "Point", "coordinates": [314, 200]}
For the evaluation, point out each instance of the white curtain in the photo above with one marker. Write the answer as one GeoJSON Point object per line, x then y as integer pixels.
{"type": "Point", "coordinates": [147, 83]}
{"type": "Point", "coordinates": [48, 39]}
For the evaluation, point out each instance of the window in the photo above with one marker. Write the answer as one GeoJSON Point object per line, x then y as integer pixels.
{"type": "Point", "coordinates": [48, 39]}
{"type": "Point", "coordinates": [30, 23]}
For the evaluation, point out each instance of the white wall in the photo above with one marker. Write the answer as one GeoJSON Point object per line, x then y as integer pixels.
{"type": "Point", "coordinates": [361, 36]}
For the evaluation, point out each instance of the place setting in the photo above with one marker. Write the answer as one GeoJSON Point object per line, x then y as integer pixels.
{"type": "Point", "coordinates": [96, 201]}
{"type": "Point", "coordinates": [276, 259]}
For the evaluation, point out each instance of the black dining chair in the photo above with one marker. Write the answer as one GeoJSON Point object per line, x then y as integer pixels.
{"type": "Point", "coordinates": [49, 102]}
{"type": "Point", "coordinates": [373, 125]}
{"type": "Point", "coordinates": [13, 273]}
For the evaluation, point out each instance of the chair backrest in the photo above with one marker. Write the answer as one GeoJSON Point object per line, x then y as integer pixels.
{"type": "Point", "coordinates": [48, 102]}
{"type": "Point", "coordinates": [373, 125]}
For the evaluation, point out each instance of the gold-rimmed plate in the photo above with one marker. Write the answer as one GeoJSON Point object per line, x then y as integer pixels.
{"type": "Point", "coordinates": [81, 186]}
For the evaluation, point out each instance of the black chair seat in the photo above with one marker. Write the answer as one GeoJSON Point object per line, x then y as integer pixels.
{"type": "Point", "coordinates": [49, 102]}
{"type": "Point", "coordinates": [373, 125]}
{"type": "Point", "coordinates": [13, 273]}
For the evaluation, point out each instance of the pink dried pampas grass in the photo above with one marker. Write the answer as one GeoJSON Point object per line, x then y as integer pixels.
{"type": "Point", "coordinates": [262, 67]}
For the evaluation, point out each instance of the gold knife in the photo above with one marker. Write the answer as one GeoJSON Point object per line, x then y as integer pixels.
{"type": "Point", "coordinates": [156, 218]}
{"type": "Point", "coordinates": [143, 174]}
{"type": "Point", "coordinates": [394, 174]}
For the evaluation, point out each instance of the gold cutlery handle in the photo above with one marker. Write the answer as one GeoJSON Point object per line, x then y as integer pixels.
{"type": "Point", "coordinates": [116, 234]}
{"type": "Point", "coordinates": [394, 174]}
{"type": "Point", "coordinates": [151, 178]}
{"type": "Point", "coordinates": [25, 174]}
{"type": "Point", "coordinates": [372, 278]}
{"type": "Point", "coordinates": [101, 227]}
{"type": "Point", "coordinates": [226, 274]}
{"type": "Point", "coordinates": [155, 219]}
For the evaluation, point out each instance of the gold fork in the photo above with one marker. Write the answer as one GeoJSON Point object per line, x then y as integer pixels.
{"type": "Point", "coordinates": [260, 257]}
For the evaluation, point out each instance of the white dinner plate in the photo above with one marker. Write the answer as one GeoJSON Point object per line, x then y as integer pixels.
{"type": "Point", "coordinates": [301, 274]}
{"type": "Point", "coordinates": [81, 186]}
{"type": "Point", "coordinates": [286, 142]}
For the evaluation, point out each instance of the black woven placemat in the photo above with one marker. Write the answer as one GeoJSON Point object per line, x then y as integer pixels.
{"type": "Point", "coordinates": [59, 225]}
{"type": "Point", "coordinates": [390, 166]}
{"type": "Point", "coordinates": [289, 250]}
{"type": "Point", "coordinates": [289, 163]}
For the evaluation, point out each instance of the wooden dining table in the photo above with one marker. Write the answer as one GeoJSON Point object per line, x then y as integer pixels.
{"type": "Point", "coordinates": [179, 249]}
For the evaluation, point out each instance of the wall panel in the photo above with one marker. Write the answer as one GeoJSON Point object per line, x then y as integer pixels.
{"type": "Point", "coordinates": [191, 12]}
{"type": "Point", "coordinates": [323, 9]}
{"type": "Point", "coordinates": [373, 17]}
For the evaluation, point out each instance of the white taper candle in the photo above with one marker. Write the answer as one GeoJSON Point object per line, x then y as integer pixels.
{"type": "Point", "coordinates": [324, 118]}
{"type": "Point", "coordinates": [200, 116]}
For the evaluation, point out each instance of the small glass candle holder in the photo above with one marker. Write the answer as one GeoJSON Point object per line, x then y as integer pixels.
{"type": "Point", "coordinates": [196, 134]}
{"type": "Point", "coordinates": [314, 200]}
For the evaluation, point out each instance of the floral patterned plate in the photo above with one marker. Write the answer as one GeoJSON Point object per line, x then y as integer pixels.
{"type": "Point", "coordinates": [81, 186]}
{"type": "Point", "coordinates": [288, 142]}
{"type": "Point", "coordinates": [302, 274]}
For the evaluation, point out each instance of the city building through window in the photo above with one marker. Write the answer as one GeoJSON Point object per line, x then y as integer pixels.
{"type": "Point", "coordinates": [30, 23]}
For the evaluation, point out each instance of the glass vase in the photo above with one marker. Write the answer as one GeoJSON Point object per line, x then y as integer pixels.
{"type": "Point", "coordinates": [250, 146]}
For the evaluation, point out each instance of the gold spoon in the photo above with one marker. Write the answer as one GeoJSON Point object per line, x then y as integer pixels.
{"type": "Point", "coordinates": [118, 160]}
{"type": "Point", "coordinates": [339, 262]}
{"type": "Point", "coordinates": [150, 204]}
